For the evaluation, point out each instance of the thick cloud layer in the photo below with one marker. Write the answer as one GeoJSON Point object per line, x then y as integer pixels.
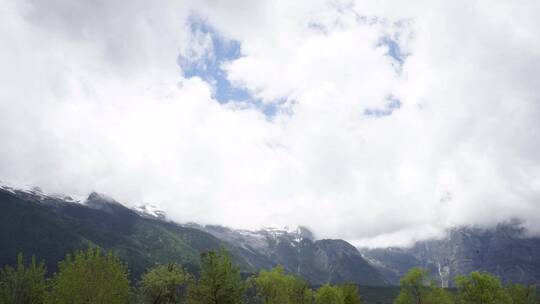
{"type": "Point", "coordinates": [392, 121]}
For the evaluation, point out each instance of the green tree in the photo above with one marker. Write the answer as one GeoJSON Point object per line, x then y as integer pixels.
{"type": "Point", "coordinates": [418, 288]}
{"type": "Point", "coordinates": [276, 287]}
{"type": "Point", "coordinates": [24, 284]}
{"type": "Point", "coordinates": [350, 294]}
{"type": "Point", "coordinates": [220, 281]}
{"type": "Point", "coordinates": [481, 288]}
{"type": "Point", "coordinates": [413, 287]}
{"type": "Point", "coordinates": [328, 294]}
{"type": "Point", "coordinates": [90, 276]}
{"type": "Point", "coordinates": [299, 290]}
{"type": "Point", "coordinates": [438, 295]}
{"type": "Point", "coordinates": [521, 294]}
{"type": "Point", "coordinates": [164, 284]}
{"type": "Point", "coordinates": [272, 286]}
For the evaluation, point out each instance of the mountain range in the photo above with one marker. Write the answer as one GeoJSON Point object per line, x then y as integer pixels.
{"type": "Point", "coordinates": [319, 261]}
{"type": "Point", "coordinates": [505, 250]}
{"type": "Point", "coordinates": [49, 226]}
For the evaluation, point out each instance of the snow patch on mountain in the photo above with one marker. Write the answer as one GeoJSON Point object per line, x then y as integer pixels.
{"type": "Point", "coordinates": [150, 211]}
{"type": "Point", "coordinates": [37, 194]}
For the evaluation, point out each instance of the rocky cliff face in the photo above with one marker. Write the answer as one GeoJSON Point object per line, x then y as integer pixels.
{"type": "Point", "coordinates": [505, 251]}
{"type": "Point", "coordinates": [319, 261]}
{"type": "Point", "coordinates": [49, 226]}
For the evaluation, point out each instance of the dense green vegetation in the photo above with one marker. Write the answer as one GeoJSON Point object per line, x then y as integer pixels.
{"type": "Point", "coordinates": [219, 282]}
{"type": "Point", "coordinates": [475, 288]}
{"type": "Point", "coordinates": [417, 287]}
{"type": "Point", "coordinates": [163, 284]}
{"type": "Point", "coordinates": [24, 283]}
{"type": "Point", "coordinates": [90, 277]}
{"type": "Point", "coordinates": [50, 230]}
{"type": "Point", "coordinates": [276, 286]}
{"type": "Point", "coordinates": [94, 276]}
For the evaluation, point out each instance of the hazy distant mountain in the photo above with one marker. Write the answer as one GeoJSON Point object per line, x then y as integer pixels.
{"type": "Point", "coordinates": [319, 261]}
{"type": "Point", "coordinates": [504, 250]}
{"type": "Point", "coordinates": [49, 226]}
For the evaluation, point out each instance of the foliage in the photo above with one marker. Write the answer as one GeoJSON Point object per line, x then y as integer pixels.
{"type": "Point", "coordinates": [350, 294]}
{"type": "Point", "coordinates": [276, 287]}
{"type": "Point", "coordinates": [481, 288]}
{"type": "Point", "coordinates": [90, 277]}
{"type": "Point", "coordinates": [328, 294]}
{"type": "Point", "coordinates": [95, 277]}
{"type": "Point", "coordinates": [521, 294]}
{"type": "Point", "coordinates": [272, 286]}
{"type": "Point", "coordinates": [299, 290]}
{"type": "Point", "coordinates": [24, 284]}
{"type": "Point", "coordinates": [220, 281]}
{"type": "Point", "coordinates": [438, 295]}
{"type": "Point", "coordinates": [413, 286]}
{"type": "Point", "coordinates": [418, 288]}
{"type": "Point", "coordinates": [164, 284]}
{"type": "Point", "coordinates": [50, 234]}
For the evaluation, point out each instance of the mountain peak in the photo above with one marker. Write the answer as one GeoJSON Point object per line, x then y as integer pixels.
{"type": "Point", "coordinates": [305, 233]}
{"type": "Point", "coordinates": [95, 196]}
{"type": "Point", "coordinates": [150, 211]}
{"type": "Point", "coordinates": [103, 202]}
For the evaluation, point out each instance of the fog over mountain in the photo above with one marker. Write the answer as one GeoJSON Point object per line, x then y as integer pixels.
{"type": "Point", "coordinates": [377, 122]}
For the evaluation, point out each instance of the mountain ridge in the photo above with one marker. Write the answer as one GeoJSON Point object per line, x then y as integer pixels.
{"type": "Point", "coordinates": [505, 250]}
{"type": "Point", "coordinates": [35, 223]}
{"type": "Point", "coordinates": [50, 226]}
{"type": "Point", "coordinates": [323, 261]}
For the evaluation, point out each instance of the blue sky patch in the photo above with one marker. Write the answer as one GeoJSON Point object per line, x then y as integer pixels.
{"type": "Point", "coordinates": [223, 50]}
{"type": "Point", "coordinates": [391, 105]}
{"type": "Point", "coordinates": [209, 68]}
{"type": "Point", "coordinates": [394, 49]}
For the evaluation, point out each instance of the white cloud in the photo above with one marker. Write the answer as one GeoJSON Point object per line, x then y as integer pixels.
{"type": "Point", "coordinates": [92, 99]}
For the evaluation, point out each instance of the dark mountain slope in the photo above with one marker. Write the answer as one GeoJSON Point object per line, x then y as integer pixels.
{"type": "Point", "coordinates": [319, 261]}
{"type": "Point", "coordinates": [505, 251]}
{"type": "Point", "coordinates": [49, 228]}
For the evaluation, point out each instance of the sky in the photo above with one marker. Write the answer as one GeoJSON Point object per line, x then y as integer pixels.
{"type": "Point", "coordinates": [379, 122]}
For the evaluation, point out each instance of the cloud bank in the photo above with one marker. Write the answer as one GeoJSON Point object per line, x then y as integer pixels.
{"type": "Point", "coordinates": [378, 122]}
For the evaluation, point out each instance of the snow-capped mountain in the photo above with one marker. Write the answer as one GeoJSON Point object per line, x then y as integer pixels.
{"type": "Point", "coordinates": [150, 211]}
{"type": "Point", "coordinates": [297, 250]}
{"type": "Point", "coordinates": [48, 227]}
{"type": "Point", "coordinates": [52, 225]}
{"type": "Point", "coordinates": [257, 240]}
{"type": "Point", "coordinates": [504, 250]}
{"type": "Point", "coordinates": [36, 194]}
{"type": "Point", "coordinates": [94, 200]}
